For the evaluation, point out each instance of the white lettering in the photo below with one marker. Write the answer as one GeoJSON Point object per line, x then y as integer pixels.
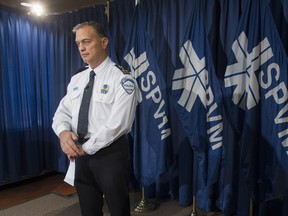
{"type": "Point", "coordinates": [269, 75]}
{"type": "Point", "coordinates": [151, 78]}
{"type": "Point", "coordinates": [281, 113]}
{"type": "Point", "coordinates": [157, 114]}
{"type": "Point", "coordinates": [275, 92]}
{"type": "Point", "coordinates": [155, 94]}
{"type": "Point", "coordinates": [214, 131]}
{"type": "Point", "coordinates": [165, 133]}
{"type": "Point", "coordinates": [138, 67]}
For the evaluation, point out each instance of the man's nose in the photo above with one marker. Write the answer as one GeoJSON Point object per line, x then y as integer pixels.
{"type": "Point", "coordinates": [81, 47]}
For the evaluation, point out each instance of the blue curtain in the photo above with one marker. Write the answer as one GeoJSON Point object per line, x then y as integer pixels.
{"type": "Point", "coordinates": [26, 98]}
{"type": "Point", "coordinates": [38, 56]}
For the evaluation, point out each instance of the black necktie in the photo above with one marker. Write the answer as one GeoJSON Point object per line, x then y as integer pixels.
{"type": "Point", "coordinates": [82, 127]}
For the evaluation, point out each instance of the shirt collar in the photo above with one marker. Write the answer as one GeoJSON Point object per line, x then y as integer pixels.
{"type": "Point", "coordinates": [102, 67]}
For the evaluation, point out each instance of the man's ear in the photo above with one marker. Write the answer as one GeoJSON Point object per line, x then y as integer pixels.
{"type": "Point", "coordinates": [105, 42]}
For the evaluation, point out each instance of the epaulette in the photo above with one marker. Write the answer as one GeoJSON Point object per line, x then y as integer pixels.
{"type": "Point", "coordinates": [124, 71]}
{"type": "Point", "coordinates": [81, 69]}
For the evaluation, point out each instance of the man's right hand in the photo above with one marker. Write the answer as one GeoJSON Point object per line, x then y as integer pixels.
{"type": "Point", "coordinates": [68, 146]}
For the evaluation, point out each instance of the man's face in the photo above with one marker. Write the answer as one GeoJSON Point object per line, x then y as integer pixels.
{"type": "Point", "coordinates": [92, 48]}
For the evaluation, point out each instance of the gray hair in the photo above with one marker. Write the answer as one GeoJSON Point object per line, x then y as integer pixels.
{"type": "Point", "coordinates": [98, 28]}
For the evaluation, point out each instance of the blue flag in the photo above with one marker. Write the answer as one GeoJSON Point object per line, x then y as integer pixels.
{"type": "Point", "coordinates": [279, 11]}
{"type": "Point", "coordinates": [197, 99]}
{"type": "Point", "coordinates": [257, 100]}
{"type": "Point", "coordinates": [222, 18]}
{"type": "Point", "coordinates": [151, 133]}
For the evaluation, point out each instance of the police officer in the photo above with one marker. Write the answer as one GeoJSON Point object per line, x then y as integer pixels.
{"type": "Point", "coordinates": [101, 154]}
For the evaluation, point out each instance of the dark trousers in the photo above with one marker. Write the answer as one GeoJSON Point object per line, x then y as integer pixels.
{"type": "Point", "coordinates": [105, 172]}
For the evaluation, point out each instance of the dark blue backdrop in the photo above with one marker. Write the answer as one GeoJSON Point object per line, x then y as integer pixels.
{"type": "Point", "coordinates": [38, 56]}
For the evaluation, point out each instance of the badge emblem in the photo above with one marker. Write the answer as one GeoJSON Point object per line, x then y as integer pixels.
{"type": "Point", "coordinates": [104, 89]}
{"type": "Point", "coordinates": [128, 85]}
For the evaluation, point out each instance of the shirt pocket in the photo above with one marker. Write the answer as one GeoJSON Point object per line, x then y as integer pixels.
{"type": "Point", "coordinates": [75, 98]}
{"type": "Point", "coordinates": [74, 95]}
{"type": "Point", "coordinates": [103, 98]}
{"type": "Point", "coordinates": [102, 104]}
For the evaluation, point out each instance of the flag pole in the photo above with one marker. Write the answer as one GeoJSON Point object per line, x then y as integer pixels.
{"type": "Point", "coordinates": [108, 10]}
{"type": "Point", "coordinates": [144, 205]}
{"type": "Point", "coordinates": [194, 211]}
{"type": "Point", "coordinates": [251, 207]}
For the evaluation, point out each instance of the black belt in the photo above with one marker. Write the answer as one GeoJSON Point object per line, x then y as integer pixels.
{"type": "Point", "coordinates": [81, 141]}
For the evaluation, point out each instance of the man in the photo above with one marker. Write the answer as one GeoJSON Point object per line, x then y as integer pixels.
{"type": "Point", "coordinates": [100, 148]}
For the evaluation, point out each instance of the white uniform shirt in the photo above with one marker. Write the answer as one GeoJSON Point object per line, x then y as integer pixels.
{"type": "Point", "coordinates": [112, 106]}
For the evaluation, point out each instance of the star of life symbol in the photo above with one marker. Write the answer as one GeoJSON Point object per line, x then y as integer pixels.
{"type": "Point", "coordinates": [193, 78]}
{"type": "Point", "coordinates": [242, 76]}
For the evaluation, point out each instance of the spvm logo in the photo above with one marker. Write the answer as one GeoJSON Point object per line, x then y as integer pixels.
{"type": "Point", "coordinates": [194, 82]}
{"type": "Point", "coordinates": [242, 75]}
{"type": "Point", "coordinates": [192, 78]}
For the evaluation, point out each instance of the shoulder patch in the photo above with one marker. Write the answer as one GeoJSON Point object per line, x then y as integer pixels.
{"type": "Point", "coordinates": [124, 71]}
{"type": "Point", "coordinates": [128, 85]}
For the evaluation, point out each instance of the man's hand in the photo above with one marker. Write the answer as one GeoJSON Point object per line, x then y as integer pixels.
{"type": "Point", "coordinates": [82, 153]}
{"type": "Point", "coordinates": [68, 146]}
